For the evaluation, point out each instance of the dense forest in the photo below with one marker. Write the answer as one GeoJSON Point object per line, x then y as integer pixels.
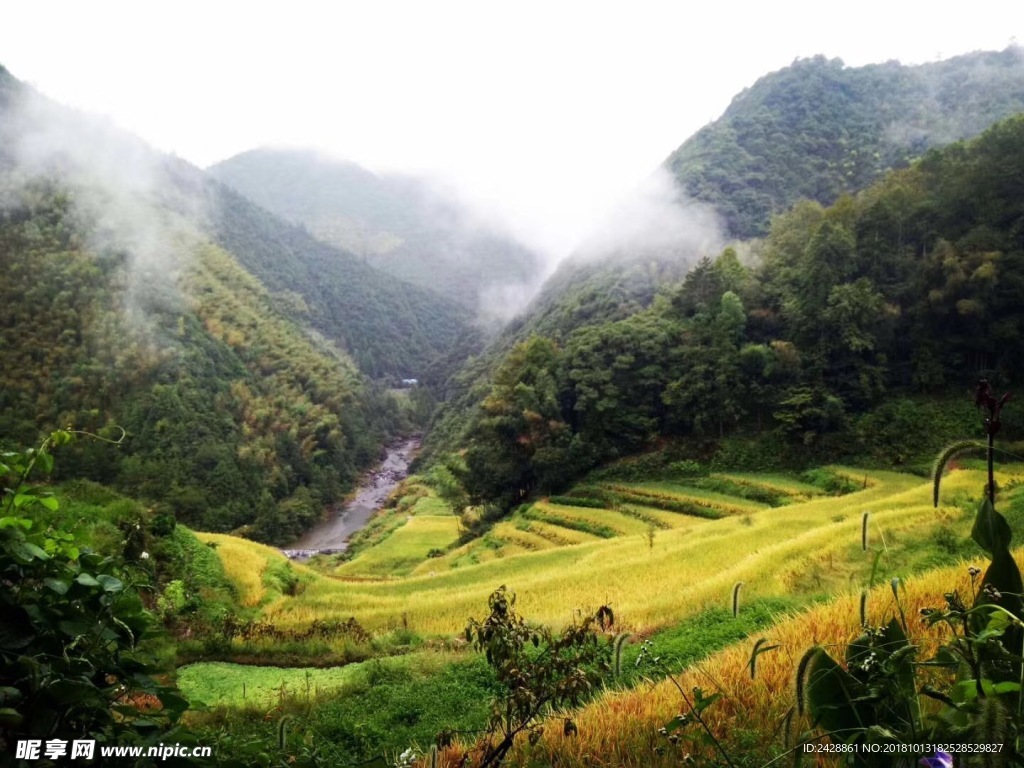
{"type": "Point", "coordinates": [234, 415]}
{"type": "Point", "coordinates": [392, 329]}
{"type": "Point", "coordinates": [818, 129]}
{"type": "Point", "coordinates": [912, 286]}
{"type": "Point", "coordinates": [403, 225]}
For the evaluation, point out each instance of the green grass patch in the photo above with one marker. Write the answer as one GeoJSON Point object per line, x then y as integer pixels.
{"type": "Point", "coordinates": [353, 714]}
{"type": "Point", "coordinates": [577, 501]}
{"type": "Point", "coordinates": [706, 632]}
{"type": "Point", "coordinates": [430, 505]}
{"type": "Point", "coordinates": [219, 683]}
{"type": "Point", "coordinates": [832, 482]}
{"type": "Point", "coordinates": [565, 521]}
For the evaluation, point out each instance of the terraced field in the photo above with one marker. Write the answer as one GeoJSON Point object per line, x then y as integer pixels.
{"type": "Point", "coordinates": [407, 547]}
{"type": "Point", "coordinates": [595, 511]}
{"type": "Point", "coordinates": [560, 557]}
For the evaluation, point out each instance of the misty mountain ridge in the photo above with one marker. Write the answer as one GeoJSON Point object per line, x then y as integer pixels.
{"type": "Point", "coordinates": [819, 129]}
{"type": "Point", "coordinates": [816, 130]}
{"type": "Point", "coordinates": [404, 225]}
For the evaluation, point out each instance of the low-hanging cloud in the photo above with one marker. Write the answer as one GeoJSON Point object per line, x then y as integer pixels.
{"type": "Point", "coordinates": [657, 221]}
{"type": "Point", "coordinates": [121, 193]}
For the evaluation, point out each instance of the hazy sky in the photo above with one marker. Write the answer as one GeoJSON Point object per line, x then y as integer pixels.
{"type": "Point", "coordinates": [542, 113]}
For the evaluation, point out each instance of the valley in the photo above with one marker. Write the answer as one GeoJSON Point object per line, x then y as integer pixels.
{"type": "Point", "coordinates": [302, 461]}
{"type": "Point", "coordinates": [333, 532]}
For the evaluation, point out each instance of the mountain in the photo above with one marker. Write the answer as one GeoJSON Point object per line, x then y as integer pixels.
{"type": "Point", "coordinates": [818, 129]}
{"type": "Point", "coordinates": [839, 343]}
{"type": "Point", "coordinates": [391, 328]}
{"type": "Point", "coordinates": [140, 295]}
{"type": "Point", "coordinates": [403, 225]}
{"type": "Point", "coordinates": [814, 130]}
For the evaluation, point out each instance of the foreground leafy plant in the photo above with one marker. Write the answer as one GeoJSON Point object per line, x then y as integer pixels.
{"type": "Point", "coordinates": [70, 627]}
{"type": "Point", "coordinates": [538, 671]}
{"type": "Point", "coordinates": [875, 700]}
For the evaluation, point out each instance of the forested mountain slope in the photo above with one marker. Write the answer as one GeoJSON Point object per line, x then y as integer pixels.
{"type": "Point", "coordinates": [400, 224]}
{"type": "Point", "coordinates": [122, 307]}
{"type": "Point", "coordinates": [913, 286]}
{"type": "Point", "coordinates": [818, 129]}
{"type": "Point", "coordinates": [391, 328]}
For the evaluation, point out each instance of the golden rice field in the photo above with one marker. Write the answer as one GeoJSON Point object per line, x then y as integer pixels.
{"type": "Point", "coordinates": [788, 486]}
{"type": "Point", "coordinates": [621, 728]}
{"type": "Point", "coordinates": [245, 561]}
{"type": "Point", "coordinates": [640, 506]}
{"type": "Point", "coordinates": [729, 505]}
{"type": "Point", "coordinates": [407, 547]}
{"type": "Point", "coordinates": [650, 581]}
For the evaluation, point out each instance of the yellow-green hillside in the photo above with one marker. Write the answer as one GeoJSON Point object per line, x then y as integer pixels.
{"type": "Point", "coordinates": [650, 581]}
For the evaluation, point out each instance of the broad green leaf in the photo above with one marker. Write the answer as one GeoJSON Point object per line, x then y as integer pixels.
{"type": "Point", "coordinates": [109, 583]}
{"type": "Point", "coordinates": [833, 697]}
{"type": "Point", "coordinates": [86, 580]}
{"type": "Point", "coordinates": [10, 718]}
{"type": "Point", "coordinates": [15, 630]}
{"type": "Point", "coordinates": [1004, 575]}
{"type": "Point", "coordinates": [68, 691]}
{"type": "Point", "coordinates": [674, 725]}
{"type": "Point", "coordinates": [9, 695]}
{"type": "Point", "coordinates": [57, 585]}
{"type": "Point", "coordinates": [173, 702]}
{"type": "Point", "coordinates": [45, 462]}
{"type": "Point", "coordinates": [990, 530]}
{"type": "Point", "coordinates": [27, 551]}
{"type": "Point", "coordinates": [75, 628]}
{"type": "Point", "coordinates": [49, 502]}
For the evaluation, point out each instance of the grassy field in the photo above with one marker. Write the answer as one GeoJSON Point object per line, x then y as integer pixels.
{"type": "Point", "coordinates": [351, 714]}
{"type": "Point", "coordinates": [810, 546]}
{"type": "Point", "coordinates": [218, 684]}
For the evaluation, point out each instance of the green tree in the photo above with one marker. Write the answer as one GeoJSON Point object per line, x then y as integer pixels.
{"type": "Point", "coordinates": [519, 417]}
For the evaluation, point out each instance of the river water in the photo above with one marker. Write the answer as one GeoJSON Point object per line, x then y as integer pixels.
{"type": "Point", "coordinates": [345, 519]}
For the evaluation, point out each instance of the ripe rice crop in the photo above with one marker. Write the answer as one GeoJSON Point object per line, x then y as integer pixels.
{"type": "Point", "coordinates": [620, 524]}
{"type": "Point", "coordinates": [687, 570]}
{"type": "Point", "coordinates": [731, 505]}
{"type": "Point", "coordinates": [622, 726]}
{"type": "Point", "coordinates": [244, 561]}
{"type": "Point", "coordinates": [405, 548]}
